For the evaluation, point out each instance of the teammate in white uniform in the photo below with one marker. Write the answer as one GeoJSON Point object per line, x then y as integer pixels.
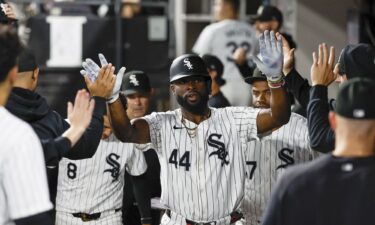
{"type": "Point", "coordinates": [92, 189]}
{"type": "Point", "coordinates": [202, 150]}
{"type": "Point", "coordinates": [271, 153]}
{"type": "Point", "coordinates": [222, 39]}
{"type": "Point", "coordinates": [24, 195]}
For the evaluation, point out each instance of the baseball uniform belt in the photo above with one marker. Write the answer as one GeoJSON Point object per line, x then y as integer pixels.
{"type": "Point", "coordinates": [234, 217]}
{"type": "Point", "coordinates": [85, 217]}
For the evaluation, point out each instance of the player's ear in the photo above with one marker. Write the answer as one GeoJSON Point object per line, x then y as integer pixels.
{"type": "Point", "coordinates": [332, 120]}
{"type": "Point", "coordinates": [173, 89]}
{"type": "Point", "coordinates": [35, 74]}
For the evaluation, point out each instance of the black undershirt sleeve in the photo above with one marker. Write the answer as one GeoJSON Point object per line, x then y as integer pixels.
{"type": "Point", "coordinates": [142, 197]}
{"type": "Point", "coordinates": [322, 137]}
{"type": "Point", "coordinates": [298, 86]}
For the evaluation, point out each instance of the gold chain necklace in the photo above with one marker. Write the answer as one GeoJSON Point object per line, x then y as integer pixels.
{"type": "Point", "coordinates": [192, 131]}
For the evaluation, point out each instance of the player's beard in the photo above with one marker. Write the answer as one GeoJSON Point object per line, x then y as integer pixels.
{"type": "Point", "coordinates": [198, 108]}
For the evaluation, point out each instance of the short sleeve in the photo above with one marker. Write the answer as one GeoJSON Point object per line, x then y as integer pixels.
{"type": "Point", "coordinates": [136, 164]}
{"type": "Point", "coordinates": [245, 119]}
{"type": "Point", "coordinates": [154, 121]}
{"type": "Point", "coordinates": [24, 178]}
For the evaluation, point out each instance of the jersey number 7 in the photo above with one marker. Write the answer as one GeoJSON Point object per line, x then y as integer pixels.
{"type": "Point", "coordinates": [254, 166]}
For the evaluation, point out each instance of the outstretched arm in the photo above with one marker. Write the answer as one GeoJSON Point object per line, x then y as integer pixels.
{"type": "Point", "coordinates": [138, 132]}
{"type": "Point", "coordinates": [88, 143]}
{"type": "Point", "coordinates": [271, 65]}
{"type": "Point", "coordinates": [322, 137]}
{"type": "Point", "coordinates": [294, 82]}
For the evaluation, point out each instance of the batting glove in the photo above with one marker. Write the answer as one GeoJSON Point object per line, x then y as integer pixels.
{"type": "Point", "coordinates": [271, 52]}
{"type": "Point", "coordinates": [91, 69]}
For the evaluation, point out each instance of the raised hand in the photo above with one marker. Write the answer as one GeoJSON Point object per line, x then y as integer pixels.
{"type": "Point", "coordinates": [239, 56]}
{"type": "Point", "coordinates": [271, 53]}
{"type": "Point", "coordinates": [104, 83]}
{"type": "Point", "coordinates": [8, 11]}
{"type": "Point", "coordinates": [288, 56]}
{"type": "Point", "coordinates": [322, 68]}
{"type": "Point", "coordinates": [91, 69]}
{"type": "Point", "coordinates": [91, 72]}
{"type": "Point", "coordinates": [79, 116]}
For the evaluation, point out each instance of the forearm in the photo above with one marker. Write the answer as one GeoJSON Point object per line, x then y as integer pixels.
{"type": "Point", "coordinates": [280, 106]}
{"type": "Point", "coordinates": [322, 137]}
{"type": "Point", "coordinates": [55, 149]}
{"type": "Point", "coordinates": [298, 86]}
{"type": "Point", "coordinates": [87, 144]}
{"type": "Point", "coordinates": [120, 121]}
{"type": "Point", "coordinates": [142, 197]}
{"type": "Point", "coordinates": [73, 134]}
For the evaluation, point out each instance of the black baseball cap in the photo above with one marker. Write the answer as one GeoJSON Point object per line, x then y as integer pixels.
{"type": "Point", "coordinates": [267, 13]}
{"type": "Point", "coordinates": [257, 76]}
{"type": "Point", "coordinates": [357, 61]}
{"type": "Point", "coordinates": [214, 63]}
{"type": "Point", "coordinates": [26, 61]}
{"type": "Point", "coordinates": [135, 81]}
{"type": "Point", "coordinates": [355, 99]}
{"type": "Point", "coordinates": [186, 66]}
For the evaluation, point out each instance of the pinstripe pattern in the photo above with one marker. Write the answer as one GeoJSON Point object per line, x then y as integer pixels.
{"type": "Point", "coordinates": [266, 152]}
{"type": "Point", "coordinates": [95, 187]}
{"type": "Point", "coordinates": [209, 189]}
{"type": "Point", "coordinates": [23, 180]}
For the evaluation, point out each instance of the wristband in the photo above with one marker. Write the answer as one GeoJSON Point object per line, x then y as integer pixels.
{"type": "Point", "coordinates": [276, 84]}
{"type": "Point", "coordinates": [113, 98]}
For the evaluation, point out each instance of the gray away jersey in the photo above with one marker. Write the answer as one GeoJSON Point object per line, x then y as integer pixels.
{"type": "Point", "coordinates": [267, 159]}
{"type": "Point", "coordinates": [222, 39]}
{"type": "Point", "coordinates": [203, 177]}
{"type": "Point", "coordinates": [96, 184]}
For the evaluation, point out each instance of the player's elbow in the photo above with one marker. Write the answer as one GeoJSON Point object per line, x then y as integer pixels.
{"type": "Point", "coordinates": [282, 118]}
{"type": "Point", "coordinates": [320, 145]}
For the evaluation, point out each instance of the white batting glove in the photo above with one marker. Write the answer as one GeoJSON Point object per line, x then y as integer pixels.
{"type": "Point", "coordinates": [116, 89]}
{"type": "Point", "coordinates": [271, 52]}
{"type": "Point", "coordinates": [91, 69]}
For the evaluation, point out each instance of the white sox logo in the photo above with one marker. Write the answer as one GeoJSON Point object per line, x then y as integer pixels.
{"type": "Point", "coordinates": [188, 64]}
{"type": "Point", "coordinates": [221, 152]}
{"type": "Point", "coordinates": [112, 161]}
{"type": "Point", "coordinates": [133, 80]}
{"type": "Point", "coordinates": [285, 156]}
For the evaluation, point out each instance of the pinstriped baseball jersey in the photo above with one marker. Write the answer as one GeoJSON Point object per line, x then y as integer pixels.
{"type": "Point", "coordinates": [23, 180]}
{"type": "Point", "coordinates": [96, 184]}
{"type": "Point", "coordinates": [203, 172]}
{"type": "Point", "coordinates": [267, 159]}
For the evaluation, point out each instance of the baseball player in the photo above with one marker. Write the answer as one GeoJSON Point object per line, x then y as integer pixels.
{"type": "Point", "coordinates": [271, 153]}
{"type": "Point", "coordinates": [201, 150]}
{"type": "Point", "coordinates": [337, 188]}
{"type": "Point", "coordinates": [24, 198]}
{"type": "Point", "coordinates": [137, 92]}
{"type": "Point", "coordinates": [91, 190]}
{"type": "Point", "coordinates": [222, 39]}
